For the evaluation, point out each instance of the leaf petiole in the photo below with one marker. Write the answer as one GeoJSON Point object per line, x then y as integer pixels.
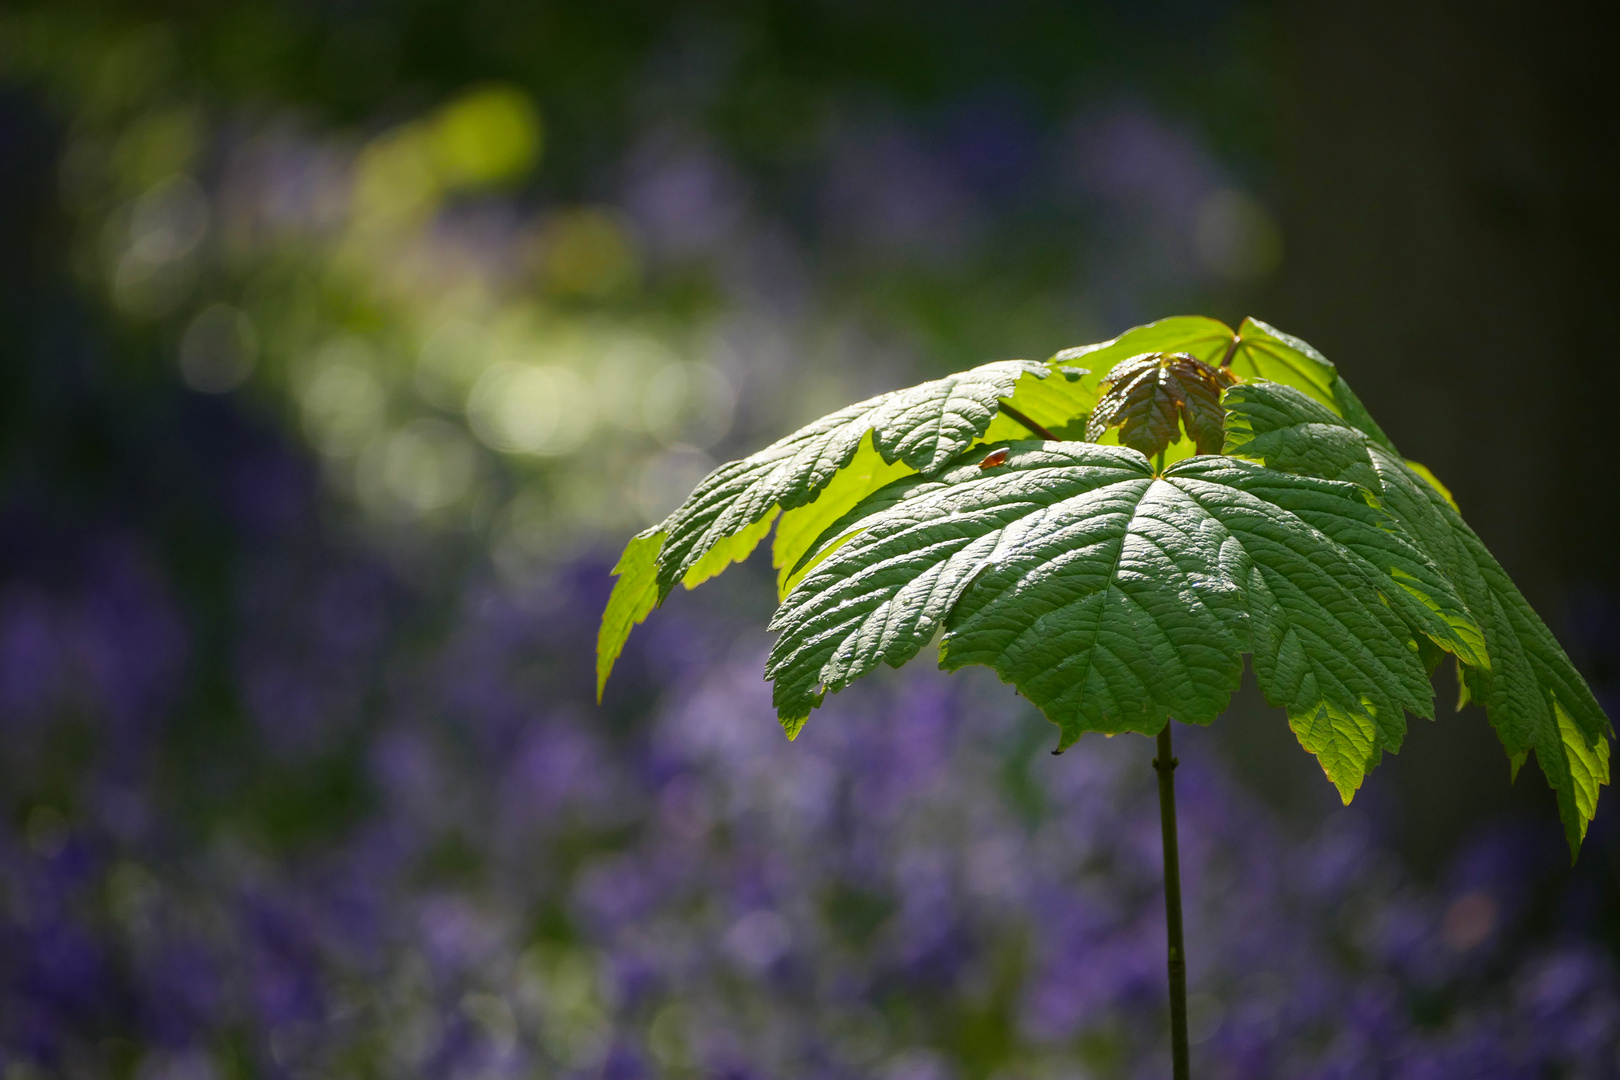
{"type": "Point", "coordinates": [1035, 428]}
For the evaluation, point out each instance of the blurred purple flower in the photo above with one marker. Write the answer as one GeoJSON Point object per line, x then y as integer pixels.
{"type": "Point", "coordinates": [686, 199]}
{"type": "Point", "coordinates": [887, 194]}
{"type": "Point", "coordinates": [994, 144]}
{"type": "Point", "coordinates": [1133, 158]}
{"type": "Point", "coordinates": [32, 665]}
{"type": "Point", "coordinates": [181, 995]}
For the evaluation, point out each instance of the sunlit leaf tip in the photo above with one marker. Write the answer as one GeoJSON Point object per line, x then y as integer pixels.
{"type": "Point", "coordinates": [635, 594]}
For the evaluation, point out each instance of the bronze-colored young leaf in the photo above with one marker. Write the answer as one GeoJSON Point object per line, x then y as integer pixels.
{"type": "Point", "coordinates": [1154, 396]}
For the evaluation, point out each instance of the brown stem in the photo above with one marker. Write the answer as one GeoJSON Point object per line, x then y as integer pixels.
{"type": "Point", "coordinates": [1027, 422]}
{"type": "Point", "coordinates": [1166, 766]}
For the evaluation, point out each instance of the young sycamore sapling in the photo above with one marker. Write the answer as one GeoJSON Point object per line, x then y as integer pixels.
{"type": "Point", "coordinates": [1111, 531]}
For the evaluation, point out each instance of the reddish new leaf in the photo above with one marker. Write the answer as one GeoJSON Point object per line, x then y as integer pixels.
{"type": "Point", "coordinates": [1154, 396]}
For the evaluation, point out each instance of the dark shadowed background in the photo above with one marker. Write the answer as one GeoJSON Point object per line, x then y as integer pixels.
{"type": "Point", "coordinates": [342, 346]}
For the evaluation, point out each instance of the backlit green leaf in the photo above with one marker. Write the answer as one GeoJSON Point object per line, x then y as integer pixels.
{"type": "Point", "coordinates": [1254, 351]}
{"type": "Point", "coordinates": [800, 527]}
{"type": "Point", "coordinates": [1207, 339]}
{"type": "Point", "coordinates": [924, 427]}
{"type": "Point", "coordinates": [634, 595]}
{"type": "Point", "coordinates": [815, 475]}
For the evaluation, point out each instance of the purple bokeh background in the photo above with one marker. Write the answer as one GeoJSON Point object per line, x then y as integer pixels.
{"type": "Point", "coordinates": [304, 780]}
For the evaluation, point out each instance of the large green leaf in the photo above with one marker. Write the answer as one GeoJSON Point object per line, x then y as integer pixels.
{"type": "Point", "coordinates": [924, 427]}
{"type": "Point", "coordinates": [1062, 407]}
{"type": "Point", "coordinates": [813, 476]}
{"type": "Point", "coordinates": [1533, 696]}
{"type": "Point", "coordinates": [1113, 597]}
{"type": "Point", "coordinates": [817, 474]}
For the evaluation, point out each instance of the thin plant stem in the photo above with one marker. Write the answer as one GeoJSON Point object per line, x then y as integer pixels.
{"type": "Point", "coordinates": [1165, 763]}
{"type": "Point", "coordinates": [1027, 422]}
{"type": "Point", "coordinates": [1231, 350]}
